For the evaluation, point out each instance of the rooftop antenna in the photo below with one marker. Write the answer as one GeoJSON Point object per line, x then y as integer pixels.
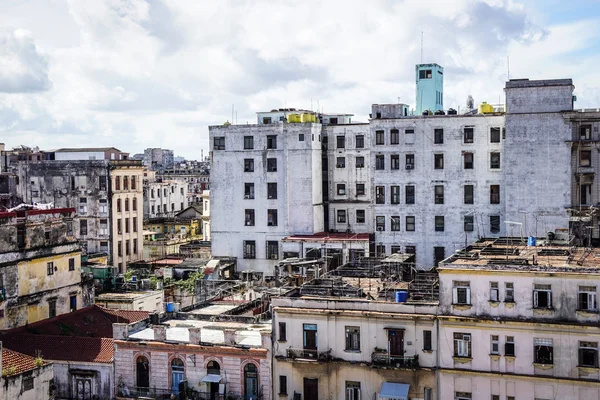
{"type": "Point", "coordinates": [421, 47]}
{"type": "Point", "coordinates": [508, 67]}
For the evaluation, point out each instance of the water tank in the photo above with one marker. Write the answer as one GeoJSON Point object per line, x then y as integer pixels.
{"type": "Point", "coordinates": [154, 318]}
{"type": "Point", "coordinates": [439, 112]}
{"type": "Point", "coordinates": [170, 307]}
{"type": "Point", "coordinates": [531, 241]}
{"type": "Point", "coordinates": [452, 111]}
{"type": "Point", "coordinates": [294, 118]}
{"type": "Point", "coordinates": [485, 108]}
{"type": "Point", "coordinates": [401, 296]}
{"type": "Point", "coordinates": [307, 117]}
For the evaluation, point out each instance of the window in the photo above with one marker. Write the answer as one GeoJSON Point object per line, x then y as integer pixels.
{"type": "Point", "coordinates": [102, 182]}
{"type": "Point", "coordinates": [588, 354]}
{"type": "Point", "coordinates": [494, 291]}
{"type": "Point", "coordinates": [71, 264]}
{"type": "Point", "coordinates": [495, 344]}
{"type": "Point", "coordinates": [72, 303]}
{"type": "Point", "coordinates": [585, 132]}
{"type": "Point", "coordinates": [360, 162]}
{"type": "Point", "coordinates": [271, 142]}
{"type": "Point", "coordinates": [360, 189]}
{"type": "Point", "coordinates": [271, 217]}
{"type": "Point", "coordinates": [135, 246]}
{"type": "Point", "coordinates": [395, 223]}
{"type": "Point", "coordinates": [495, 160]}
{"type": "Point", "coordinates": [380, 250]}
{"type": "Point", "coordinates": [438, 136]}
{"type": "Point", "coordinates": [509, 292]}
{"type": "Point", "coordinates": [379, 137]}
{"type": "Point", "coordinates": [542, 351]}
{"type": "Point", "coordinates": [439, 223]}
{"type": "Point", "coordinates": [248, 190]}
{"type": "Point", "coordinates": [52, 308]}
{"type": "Point", "coordinates": [360, 216]}
{"type": "Point", "coordinates": [249, 249]}
{"type": "Point", "coordinates": [27, 383]}
{"type": "Point", "coordinates": [341, 142]}
{"type": "Point", "coordinates": [301, 137]}
{"type": "Point", "coordinates": [282, 384]}
{"type": "Point", "coordinates": [272, 250]}
{"type": "Point", "coordinates": [462, 396]}
{"type": "Point", "coordinates": [585, 158]}
{"type": "Point", "coordinates": [177, 374]}
{"type": "Point", "coordinates": [117, 183]}
{"type": "Point", "coordinates": [409, 194]}
{"type": "Point", "coordinates": [219, 143]}
{"type": "Point", "coordinates": [468, 194]}
{"type": "Point", "coordinates": [341, 216]}
{"type": "Point", "coordinates": [248, 164]}
{"type": "Point", "coordinates": [509, 346]}
{"type": "Point", "coordinates": [379, 162]}
{"type": "Point", "coordinates": [353, 338]}
{"type": "Point", "coordinates": [587, 298]}
{"type": "Point", "coordinates": [380, 223]}
{"type": "Point", "coordinates": [425, 74]}
{"type": "Point", "coordinates": [134, 203]}
{"type": "Point", "coordinates": [542, 296]}
{"type": "Point", "coordinates": [461, 292]}
{"type": "Point", "coordinates": [103, 206]}
{"type": "Point", "coordinates": [462, 345]}
{"type": "Point", "coordinates": [119, 249]}
{"type": "Point", "coordinates": [468, 134]}
{"type": "Point", "coordinates": [282, 332]}
{"type": "Point", "coordinates": [118, 205]}
{"type": "Point", "coordinates": [249, 217]}
{"type": "Point", "coordinates": [410, 161]}
{"type": "Point", "coordinates": [468, 160]}
{"type": "Point", "coordinates": [494, 194]}
{"type": "Point", "coordinates": [494, 223]}
{"type": "Point", "coordinates": [395, 161]}
{"type": "Point", "coordinates": [427, 393]}
{"type": "Point", "coordinates": [340, 162]}
{"type": "Point", "coordinates": [341, 189]}
{"type": "Point", "coordinates": [126, 204]}
{"type": "Point", "coordinates": [126, 225]}
{"type": "Point", "coordinates": [394, 136]}
{"type": "Point", "coordinates": [410, 223]}
{"type": "Point", "coordinates": [494, 135]}
{"type": "Point", "coordinates": [83, 227]}
{"type": "Point", "coordinates": [439, 194]}
{"type": "Point", "coordinates": [395, 195]}
{"type": "Point", "coordinates": [468, 223]}
{"type": "Point", "coordinates": [133, 182]}
{"type": "Point", "coordinates": [495, 397]}
{"type": "Point", "coordinates": [271, 190]}
{"type": "Point", "coordinates": [352, 390]}
{"type": "Point", "coordinates": [125, 183]}
{"type": "Point", "coordinates": [248, 142]}
{"type": "Point", "coordinates": [360, 141]}
{"type": "Point", "coordinates": [396, 249]}
{"type": "Point", "coordinates": [127, 247]}
{"type": "Point", "coordinates": [427, 340]}
{"type": "Point", "coordinates": [271, 165]}
{"type": "Point", "coordinates": [119, 227]}
{"type": "Point", "coordinates": [438, 161]}
{"type": "Point", "coordinates": [379, 194]}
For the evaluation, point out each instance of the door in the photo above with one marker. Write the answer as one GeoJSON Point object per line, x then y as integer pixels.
{"type": "Point", "coordinates": [177, 374]}
{"type": "Point", "coordinates": [396, 343]}
{"type": "Point", "coordinates": [250, 382]}
{"type": "Point", "coordinates": [311, 388]}
{"type": "Point", "coordinates": [310, 340]}
{"type": "Point", "coordinates": [142, 374]}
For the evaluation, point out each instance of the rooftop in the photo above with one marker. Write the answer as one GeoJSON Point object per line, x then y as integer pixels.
{"type": "Point", "coordinates": [524, 83]}
{"type": "Point", "coordinates": [126, 296]}
{"type": "Point", "coordinates": [62, 348]}
{"type": "Point", "coordinates": [19, 361]}
{"type": "Point", "coordinates": [84, 149]}
{"type": "Point", "coordinates": [329, 237]}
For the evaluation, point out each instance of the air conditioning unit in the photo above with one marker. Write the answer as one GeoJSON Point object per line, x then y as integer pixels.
{"type": "Point", "coordinates": [339, 165]}
{"type": "Point", "coordinates": [409, 166]}
{"type": "Point", "coordinates": [467, 338]}
{"type": "Point", "coordinates": [380, 228]}
{"type": "Point", "coordinates": [246, 196]}
{"type": "Point", "coordinates": [273, 257]}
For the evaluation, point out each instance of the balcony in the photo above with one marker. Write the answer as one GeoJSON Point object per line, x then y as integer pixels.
{"type": "Point", "coordinates": [309, 354]}
{"type": "Point", "coordinates": [385, 360]}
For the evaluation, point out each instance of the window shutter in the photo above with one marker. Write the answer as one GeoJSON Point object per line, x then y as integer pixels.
{"type": "Point", "coordinates": [455, 296]}
{"type": "Point", "coordinates": [535, 298]}
{"type": "Point", "coordinates": [468, 291]}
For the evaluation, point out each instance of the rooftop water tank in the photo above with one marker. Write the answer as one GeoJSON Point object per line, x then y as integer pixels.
{"type": "Point", "coordinates": [485, 108]}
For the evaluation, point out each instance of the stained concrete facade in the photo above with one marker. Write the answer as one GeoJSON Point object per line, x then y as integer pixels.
{"type": "Point", "coordinates": [165, 199]}
{"type": "Point", "coordinates": [28, 382]}
{"type": "Point", "coordinates": [264, 192]}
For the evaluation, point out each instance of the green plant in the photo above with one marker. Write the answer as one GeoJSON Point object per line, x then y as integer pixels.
{"type": "Point", "coordinates": [39, 361]}
{"type": "Point", "coordinates": [8, 371]}
{"type": "Point", "coordinates": [128, 275]}
{"type": "Point", "coordinates": [189, 285]}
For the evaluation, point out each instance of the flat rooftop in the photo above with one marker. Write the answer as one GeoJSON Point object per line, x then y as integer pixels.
{"type": "Point", "coordinates": [515, 254]}
{"type": "Point", "coordinates": [328, 237]}
{"type": "Point", "coordinates": [126, 295]}
{"type": "Point", "coordinates": [214, 309]}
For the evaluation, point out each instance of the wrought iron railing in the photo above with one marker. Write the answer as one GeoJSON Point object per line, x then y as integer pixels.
{"type": "Point", "coordinates": [129, 392]}
{"type": "Point", "coordinates": [384, 359]}
{"type": "Point", "coordinates": [311, 354]}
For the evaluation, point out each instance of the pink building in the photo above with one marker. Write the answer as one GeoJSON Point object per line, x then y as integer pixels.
{"type": "Point", "coordinates": [220, 360]}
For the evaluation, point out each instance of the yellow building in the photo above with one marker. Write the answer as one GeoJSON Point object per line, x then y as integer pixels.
{"type": "Point", "coordinates": [40, 267]}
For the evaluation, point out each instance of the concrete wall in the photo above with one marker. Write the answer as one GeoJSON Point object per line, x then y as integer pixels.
{"type": "Point", "coordinates": [99, 377]}
{"type": "Point", "coordinates": [171, 196]}
{"type": "Point", "coordinates": [79, 155]}
{"type": "Point", "coordinates": [146, 301]}
{"type": "Point", "coordinates": [11, 387]}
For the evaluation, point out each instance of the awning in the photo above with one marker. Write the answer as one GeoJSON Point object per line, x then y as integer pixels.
{"type": "Point", "coordinates": [211, 378]}
{"type": "Point", "coordinates": [395, 391]}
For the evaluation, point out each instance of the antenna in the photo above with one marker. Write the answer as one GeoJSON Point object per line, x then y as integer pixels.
{"type": "Point", "coordinates": [508, 67]}
{"type": "Point", "coordinates": [421, 47]}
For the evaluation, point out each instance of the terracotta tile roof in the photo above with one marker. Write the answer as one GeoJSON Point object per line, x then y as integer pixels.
{"type": "Point", "coordinates": [20, 362]}
{"type": "Point", "coordinates": [124, 316]}
{"type": "Point", "coordinates": [60, 348]}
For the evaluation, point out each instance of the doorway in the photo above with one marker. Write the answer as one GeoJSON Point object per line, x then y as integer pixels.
{"type": "Point", "coordinates": [250, 382]}
{"type": "Point", "coordinates": [311, 388]}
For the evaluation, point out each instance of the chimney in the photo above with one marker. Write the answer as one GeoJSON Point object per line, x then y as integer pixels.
{"type": "Point", "coordinates": [195, 335]}
{"type": "Point", "coordinates": [120, 331]}
{"type": "Point", "coordinates": [160, 333]}
{"type": "Point", "coordinates": [265, 339]}
{"type": "Point", "coordinates": [229, 336]}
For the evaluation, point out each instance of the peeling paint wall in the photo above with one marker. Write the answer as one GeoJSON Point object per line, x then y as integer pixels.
{"type": "Point", "coordinates": [12, 387]}
{"type": "Point", "coordinates": [99, 377]}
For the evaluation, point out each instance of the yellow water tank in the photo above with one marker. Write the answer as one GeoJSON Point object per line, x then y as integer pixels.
{"type": "Point", "coordinates": [294, 118]}
{"type": "Point", "coordinates": [307, 117]}
{"type": "Point", "coordinates": [485, 108]}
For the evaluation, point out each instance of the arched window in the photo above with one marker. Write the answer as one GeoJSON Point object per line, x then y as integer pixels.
{"type": "Point", "coordinates": [142, 373]}
{"type": "Point", "coordinates": [177, 374]}
{"type": "Point", "coordinates": [250, 382]}
{"type": "Point", "coordinates": [126, 204]}
{"type": "Point", "coordinates": [213, 368]}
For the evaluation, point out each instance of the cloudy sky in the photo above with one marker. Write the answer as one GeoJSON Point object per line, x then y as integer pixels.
{"type": "Point", "coordinates": [135, 74]}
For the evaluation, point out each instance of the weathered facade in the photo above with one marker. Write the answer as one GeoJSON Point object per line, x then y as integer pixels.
{"type": "Point", "coordinates": [40, 267]}
{"type": "Point", "coordinates": [165, 198]}
{"type": "Point", "coordinates": [24, 377]}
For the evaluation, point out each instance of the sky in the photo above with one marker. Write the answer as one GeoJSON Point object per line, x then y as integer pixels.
{"type": "Point", "coordinates": [135, 74]}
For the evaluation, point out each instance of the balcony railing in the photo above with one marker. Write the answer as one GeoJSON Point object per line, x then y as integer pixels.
{"type": "Point", "coordinates": [382, 359]}
{"type": "Point", "coordinates": [309, 354]}
{"type": "Point", "coordinates": [159, 394]}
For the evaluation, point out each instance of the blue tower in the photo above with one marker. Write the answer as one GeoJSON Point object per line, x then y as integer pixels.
{"type": "Point", "coordinates": [430, 87]}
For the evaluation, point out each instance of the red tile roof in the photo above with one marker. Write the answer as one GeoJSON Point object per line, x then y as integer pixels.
{"type": "Point", "coordinates": [20, 362]}
{"type": "Point", "coordinates": [60, 348]}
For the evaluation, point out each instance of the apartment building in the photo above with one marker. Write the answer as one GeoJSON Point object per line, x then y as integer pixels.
{"type": "Point", "coordinates": [103, 186]}
{"type": "Point", "coordinates": [158, 159]}
{"type": "Point", "coordinates": [519, 321]}
{"type": "Point", "coordinates": [40, 273]}
{"type": "Point", "coordinates": [165, 198]}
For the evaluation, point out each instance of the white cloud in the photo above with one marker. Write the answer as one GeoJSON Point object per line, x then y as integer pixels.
{"type": "Point", "coordinates": [136, 74]}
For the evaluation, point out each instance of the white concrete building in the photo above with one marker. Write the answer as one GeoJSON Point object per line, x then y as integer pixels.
{"type": "Point", "coordinates": [518, 321]}
{"type": "Point", "coordinates": [266, 185]}
{"type": "Point", "coordinates": [165, 198]}
{"type": "Point", "coordinates": [206, 215]}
